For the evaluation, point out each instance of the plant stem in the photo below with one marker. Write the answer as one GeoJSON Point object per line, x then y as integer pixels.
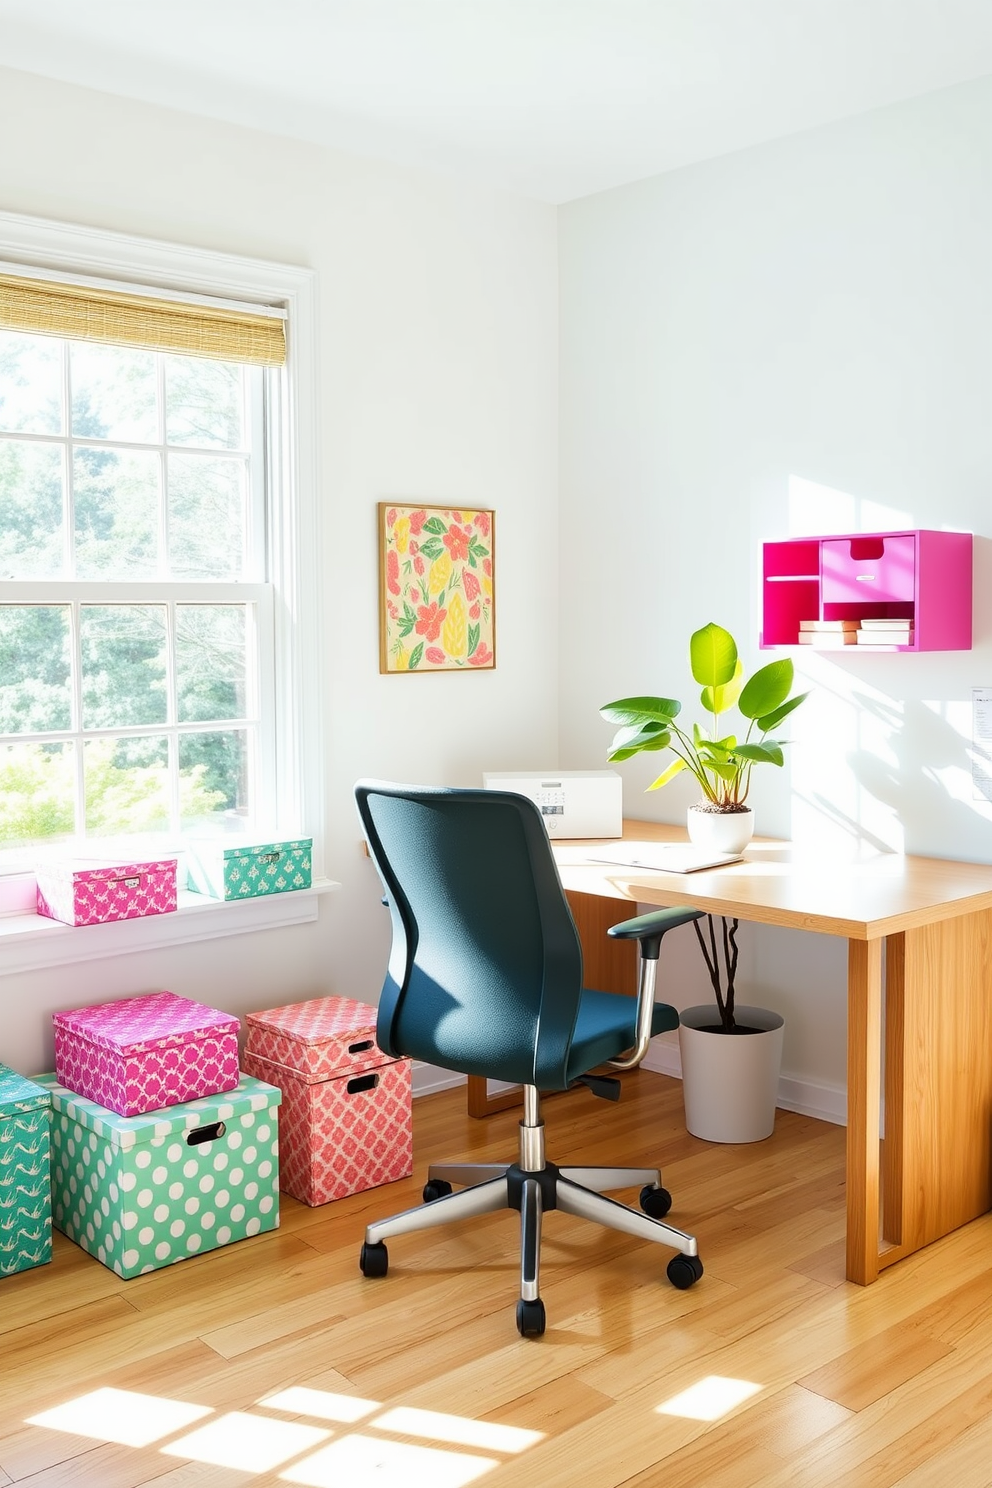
{"type": "Point", "coordinates": [720, 972]}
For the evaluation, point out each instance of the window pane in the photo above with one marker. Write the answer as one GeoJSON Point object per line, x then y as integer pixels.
{"type": "Point", "coordinates": [123, 651]}
{"type": "Point", "coordinates": [31, 480]}
{"type": "Point", "coordinates": [206, 517]}
{"type": "Point", "coordinates": [37, 791]}
{"type": "Point", "coordinates": [211, 644]}
{"type": "Point", "coordinates": [213, 778]}
{"type": "Point", "coordinates": [114, 392]}
{"type": "Point", "coordinates": [30, 384]}
{"type": "Point", "coordinates": [126, 785]}
{"type": "Point", "coordinates": [116, 499]}
{"type": "Point", "coordinates": [35, 691]}
{"type": "Point", "coordinates": [204, 403]}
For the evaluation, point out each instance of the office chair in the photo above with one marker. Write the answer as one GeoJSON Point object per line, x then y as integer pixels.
{"type": "Point", "coordinates": [485, 977]}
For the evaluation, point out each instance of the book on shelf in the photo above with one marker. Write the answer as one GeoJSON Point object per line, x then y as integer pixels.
{"type": "Point", "coordinates": [828, 626]}
{"type": "Point", "coordinates": [886, 625]}
{"type": "Point", "coordinates": [827, 640]}
{"type": "Point", "coordinates": [884, 637]}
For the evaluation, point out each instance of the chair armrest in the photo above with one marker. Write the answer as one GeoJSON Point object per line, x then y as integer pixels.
{"type": "Point", "coordinates": [648, 930]}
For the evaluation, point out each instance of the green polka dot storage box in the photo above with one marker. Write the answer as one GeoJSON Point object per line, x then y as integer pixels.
{"type": "Point", "coordinates": [244, 870]}
{"type": "Point", "coordinates": [25, 1176]}
{"type": "Point", "coordinates": [142, 1192]}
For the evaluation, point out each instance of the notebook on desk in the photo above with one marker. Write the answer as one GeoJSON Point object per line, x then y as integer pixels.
{"type": "Point", "coordinates": [663, 857]}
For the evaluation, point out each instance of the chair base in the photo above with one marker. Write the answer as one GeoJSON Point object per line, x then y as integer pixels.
{"type": "Point", "coordinates": [533, 1186]}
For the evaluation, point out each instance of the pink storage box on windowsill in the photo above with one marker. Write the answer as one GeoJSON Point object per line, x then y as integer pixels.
{"type": "Point", "coordinates": [144, 1053]}
{"type": "Point", "coordinates": [84, 891]}
{"type": "Point", "coordinates": [346, 1106]}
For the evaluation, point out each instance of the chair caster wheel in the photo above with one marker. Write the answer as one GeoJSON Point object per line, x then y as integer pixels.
{"type": "Point", "coordinates": [530, 1318]}
{"type": "Point", "coordinates": [684, 1271]}
{"type": "Point", "coordinates": [436, 1188]}
{"type": "Point", "coordinates": [655, 1202]}
{"type": "Point", "coordinates": [374, 1259]}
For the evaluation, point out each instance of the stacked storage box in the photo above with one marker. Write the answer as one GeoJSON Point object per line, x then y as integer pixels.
{"type": "Point", "coordinates": [25, 1178]}
{"type": "Point", "coordinates": [347, 1107]}
{"type": "Point", "coordinates": [160, 1149]}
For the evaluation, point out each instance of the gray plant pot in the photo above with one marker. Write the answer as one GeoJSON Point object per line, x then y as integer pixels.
{"type": "Point", "coordinates": [730, 1081]}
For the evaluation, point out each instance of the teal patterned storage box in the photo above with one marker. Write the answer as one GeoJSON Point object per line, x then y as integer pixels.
{"type": "Point", "coordinates": [25, 1174]}
{"type": "Point", "coordinates": [141, 1192]}
{"type": "Point", "coordinates": [243, 870]}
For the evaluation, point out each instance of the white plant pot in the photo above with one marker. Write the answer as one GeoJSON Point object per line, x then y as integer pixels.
{"type": "Point", "coordinates": [720, 831]}
{"type": "Point", "coordinates": [730, 1081]}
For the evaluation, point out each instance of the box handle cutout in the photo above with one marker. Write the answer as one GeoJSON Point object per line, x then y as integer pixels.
{"type": "Point", "coordinates": [362, 1082]}
{"type": "Point", "coordinates": [209, 1133]}
{"type": "Point", "coordinates": [863, 549]}
{"type": "Point", "coordinates": [272, 857]}
{"type": "Point", "coordinates": [360, 1048]}
{"type": "Point", "coordinates": [129, 883]}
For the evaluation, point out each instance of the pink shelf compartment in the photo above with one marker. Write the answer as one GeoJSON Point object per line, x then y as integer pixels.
{"type": "Point", "coordinates": [920, 575]}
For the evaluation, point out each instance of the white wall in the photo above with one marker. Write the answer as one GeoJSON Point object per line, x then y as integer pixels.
{"type": "Point", "coordinates": [438, 343]}
{"type": "Point", "coordinates": [792, 339]}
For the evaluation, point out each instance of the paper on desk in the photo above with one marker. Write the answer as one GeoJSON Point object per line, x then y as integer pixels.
{"type": "Point", "coordinates": [662, 857]}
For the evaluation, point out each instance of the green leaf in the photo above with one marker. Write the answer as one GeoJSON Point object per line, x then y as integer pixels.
{"type": "Point", "coordinates": [719, 699]}
{"type": "Point", "coordinates": [416, 657]}
{"type": "Point", "coordinates": [772, 720]}
{"type": "Point", "coordinates": [768, 753]}
{"type": "Point", "coordinates": [432, 548]}
{"type": "Point", "coordinates": [675, 768]}
{"type": "Point", "coordinates": [639, 734]}
{"type": "Point", "coordinates": [434, 524]}
{"type": "Point", "coordinates": [641, 710]}
{"type": "Point", "coordinates": [408, 613]}
{"type": "Point", "coordinates": [767, 689]}
{"type": "Point", "coordinates": [724, 771]}
{"type": "Point", "coordinates": [405, 626]}
{"type": "Point", "coordinates": [473, 639]}
{"type": "Point", "coordinates": [713, 656]}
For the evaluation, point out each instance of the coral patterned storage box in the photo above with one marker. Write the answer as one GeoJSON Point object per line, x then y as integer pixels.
{"type": "Point", "coordinates": [346, 1106]}
{"type": "Point", "coordinates": [142, 1053]}
{"type": "Point", "coordinates": [249, 870]}
{"type": "Point", "coordinates": [142, 1192]}
{"type": "Point", "coordinates": [84, 892]}
{"type": "Point", "coordinates": [25, 1176]}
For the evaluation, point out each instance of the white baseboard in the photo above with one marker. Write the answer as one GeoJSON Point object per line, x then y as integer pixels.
{"type": "Point", "coordinates": [824, 1102]}
{"type": "Point", "coordinates": [428, 1078]}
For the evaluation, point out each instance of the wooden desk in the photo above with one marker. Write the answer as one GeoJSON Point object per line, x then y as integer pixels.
{"type": "Point", "coordinates": [928, 923]}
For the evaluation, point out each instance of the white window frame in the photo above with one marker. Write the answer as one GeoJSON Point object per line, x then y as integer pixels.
{"type": "Point", "coordinates": [66, 250]}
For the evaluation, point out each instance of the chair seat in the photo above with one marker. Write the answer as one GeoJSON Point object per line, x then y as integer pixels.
{"type": "Point", "coordinates": [606, 1026]}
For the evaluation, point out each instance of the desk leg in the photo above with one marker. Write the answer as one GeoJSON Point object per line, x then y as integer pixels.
{"type": "Point", "coordinates": [864, 1050]}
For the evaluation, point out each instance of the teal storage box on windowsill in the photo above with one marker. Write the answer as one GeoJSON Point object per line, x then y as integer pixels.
{"type": "Point", "coordinates": [243, 870]}
{"type": "Point", "coordinates": [142, 1192]}
{"type": "Point", "coordinates": [25, 1174]}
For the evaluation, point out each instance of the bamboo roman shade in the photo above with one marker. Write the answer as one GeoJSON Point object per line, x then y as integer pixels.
{"type": "Point", "coordinates": [188, 328]}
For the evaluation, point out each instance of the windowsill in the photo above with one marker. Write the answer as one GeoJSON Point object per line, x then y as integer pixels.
{"type": "Point", "coordinates": [31, 941]}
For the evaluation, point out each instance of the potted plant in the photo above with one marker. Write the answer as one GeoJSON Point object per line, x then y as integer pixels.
{"type": "Point", "coordinates": [721, 763]}
{"type": "Point", "coordinates": [729, 1084]}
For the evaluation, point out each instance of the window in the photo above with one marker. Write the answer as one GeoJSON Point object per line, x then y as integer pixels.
{"type": "Point", "coordinates": [157, 546]}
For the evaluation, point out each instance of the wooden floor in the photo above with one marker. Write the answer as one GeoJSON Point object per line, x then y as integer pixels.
{"type": "Point", "coordinates": [870, 1388]}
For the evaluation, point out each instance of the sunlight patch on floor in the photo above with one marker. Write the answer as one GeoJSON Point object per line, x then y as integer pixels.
{"type": "Point", "coordinates": [709, 1398]}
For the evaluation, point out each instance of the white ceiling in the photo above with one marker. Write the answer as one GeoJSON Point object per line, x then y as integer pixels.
{"type": "Point", "coordinates": [551, 98]}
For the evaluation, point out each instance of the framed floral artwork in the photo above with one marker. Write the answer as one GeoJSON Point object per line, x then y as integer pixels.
{"type": "Point", "coordinates": [436, 600]}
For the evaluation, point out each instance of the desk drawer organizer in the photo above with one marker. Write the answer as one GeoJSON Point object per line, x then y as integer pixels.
{"type": "Point", "coordinates": [249, 870]}
{"type": "Point", "coordinates": [142, 1053]}
{"type": "Point", "coordinates": [83, 892]}
{"type": "Point", "coordinates": [347, 1107]}
{"type": "Point", "coordinates": [143, 1192]}
{"type": "Point", "coordinates": [25, 1174]}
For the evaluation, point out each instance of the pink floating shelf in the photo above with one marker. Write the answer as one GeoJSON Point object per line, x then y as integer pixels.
{"type": "Point", "coordinates": [921, 576]}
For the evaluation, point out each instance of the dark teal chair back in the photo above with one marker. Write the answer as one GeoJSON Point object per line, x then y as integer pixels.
{"type": "Point", "coordinates": [485, 972]}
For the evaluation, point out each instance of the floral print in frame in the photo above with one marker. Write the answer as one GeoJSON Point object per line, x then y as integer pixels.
{"type": "Point", "coordinates": [436, 605]}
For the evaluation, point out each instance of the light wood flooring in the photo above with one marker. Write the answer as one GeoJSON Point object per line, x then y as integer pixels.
{"type": "Point", "coordinates": [883, 1387]}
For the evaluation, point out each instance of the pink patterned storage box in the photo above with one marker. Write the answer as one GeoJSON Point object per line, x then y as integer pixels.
{"type": "Point", "coordinates": [86, 892]}
{"type": "Point", "coordinates": [143, 1053]}
{"type": "Point", "coordinates": [346, 1106]}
